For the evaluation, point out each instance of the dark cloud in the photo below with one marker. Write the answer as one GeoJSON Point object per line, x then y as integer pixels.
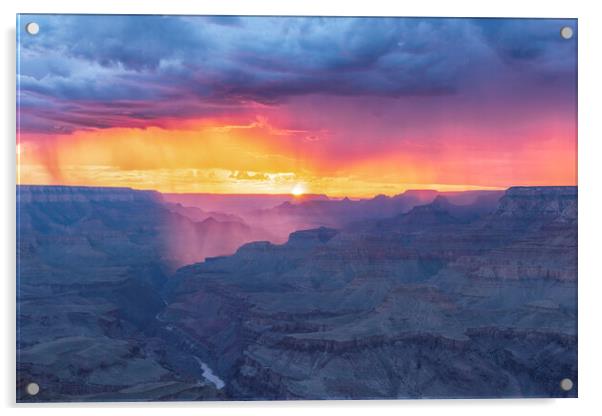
{"type": "Point", "coordinates": [535, 41]}
{"type": "Point", "coordinates": [93, 71]}
{"type": "Point", "coordinates": [133, 42]}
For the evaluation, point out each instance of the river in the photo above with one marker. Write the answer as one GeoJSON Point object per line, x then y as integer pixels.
{"type": "Point", "coordinates": [209, 375]}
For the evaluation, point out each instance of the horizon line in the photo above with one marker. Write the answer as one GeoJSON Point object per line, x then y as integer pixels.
{"type": "Point", "coordinates": [308, 194]}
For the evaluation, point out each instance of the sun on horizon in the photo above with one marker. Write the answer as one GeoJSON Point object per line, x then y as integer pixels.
{"type": "Point", "coordinates": [298, 189]}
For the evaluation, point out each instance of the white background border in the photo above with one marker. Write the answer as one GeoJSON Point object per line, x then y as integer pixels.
{"type": "Point", "coordinates": [590, 136]}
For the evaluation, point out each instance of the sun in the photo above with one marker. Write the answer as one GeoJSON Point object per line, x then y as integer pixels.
{"type": "Point", "coordinates": [298, 190]}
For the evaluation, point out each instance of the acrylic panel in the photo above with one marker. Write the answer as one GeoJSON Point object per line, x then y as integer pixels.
{"type": "Point", "coordinates": [276, 208]}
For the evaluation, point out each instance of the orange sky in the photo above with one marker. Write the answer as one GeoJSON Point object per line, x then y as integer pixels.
{"type": "Point", "coordinates": [339, 106]}
{"type": "Point", "coordinates": [255, 156]}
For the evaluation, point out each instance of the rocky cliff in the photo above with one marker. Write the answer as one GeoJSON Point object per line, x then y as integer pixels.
{"type": "Point", "coordinates": [554, 202]}
{"type": "Point", "coordinates": [444, 299]}
{"type": "Point", "coordinates": [91, 266]}
{"type": "Point", "coordinates": [431, 303]}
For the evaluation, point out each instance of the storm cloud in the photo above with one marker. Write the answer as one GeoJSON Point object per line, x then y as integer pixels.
{"type": "Point", "coordinates": [87, 71]}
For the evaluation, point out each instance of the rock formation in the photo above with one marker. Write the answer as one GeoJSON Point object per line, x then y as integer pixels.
{"type": "Point", "coordinates": [443, 299]}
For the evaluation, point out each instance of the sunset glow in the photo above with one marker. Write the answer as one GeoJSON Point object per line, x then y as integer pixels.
{"type": "Point", "coordinates": [178, 124]}
{"type": "Point", "coordinates": [298, 190]}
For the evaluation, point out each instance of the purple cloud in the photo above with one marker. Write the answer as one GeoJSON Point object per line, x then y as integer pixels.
{"type": "Point", "coordinates": [86, 71]}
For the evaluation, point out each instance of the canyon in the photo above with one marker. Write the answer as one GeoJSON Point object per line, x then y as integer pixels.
{"type": "Point", "coordinates": [133, 295]}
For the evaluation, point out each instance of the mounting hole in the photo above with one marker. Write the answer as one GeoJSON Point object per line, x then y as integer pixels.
{"type": "Point", "coordinates": [32, 28]}
{"type": "Point", "coordinates": [32, 389]}
{"type": "Point", "coordinates": [566, 32]}
{"type": "Point", "coordinates": [566, 384]}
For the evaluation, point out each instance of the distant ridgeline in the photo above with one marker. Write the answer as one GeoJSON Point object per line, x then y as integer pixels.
{"type": "Point", "coordinates": [420, 295]}
{"type": "Point", "coordinates": [41, 193]}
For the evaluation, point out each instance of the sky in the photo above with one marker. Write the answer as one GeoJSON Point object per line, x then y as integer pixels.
{"type": "Point", "coordinates": [338, 106]}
